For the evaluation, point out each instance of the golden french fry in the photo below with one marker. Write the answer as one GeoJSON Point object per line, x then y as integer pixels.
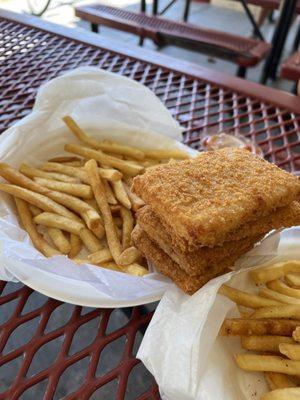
{"type": "Point", "coordinates": [293, 279]}
{"type": "Point", "coordinates": [296, 334]}
{"type": "Point", "coordinates": [81, 261]}
{"type": "Point", "coordinates": [292, 351]}
{"type": "Point", "coordinates": [121, 194]}
{"type": "Point", "coordinates": [129, 256]}
{"type": "Point", "coordinates": [127, 226]}
{"type": "Point", "coordinates": [106, 146]}
{"type": "Point", "coordinates": [118, 222]}
{"type": "Point", "coordinates": [133, 269]}
{"type": "Point", "coordinates": [292, 393]}
{"type": "Point", "coordinates": [38, 241]}
{"type": "Point", "coordinates": [271, 294]}
{"type": "Point", "coordinates": [166, 154]}
{"type": "Point", "coordinates": [248, 327]}
{"type": "Point", "coordinates": [124, 166]}
{"type": "Point", "coordinates": [100, 196]}
{"type": "Point", "coordinates": [75, 189]}
{"type": "Point", "coordinates": [253, 362]}
{"type": "Point", "coordinates": [76, 245]}
{"type": "Point", "coordinates": [281, 287]}
{"type": "Point", "coordinates": [79, 164]}
{"type": "Point", "coordinates": [109, 174]}
{"type": "Point", "coordinates": [245, 299]}
{"type": "Point", "coordinates": [276, 380]}
{"type": "Point", "coordinates": [269, 273]}
{"type": "Point", "coordinates": [37, 200]}
{"type": "Point", "coordinates": [136, 202]}
{"type": "Point", "coordinates": [264, 343]}
{"type": "Point", "coordinates": [64, 159]}
{"type": "Point", "coordinates": [109, 194]}
{"type": "Point", "coordinates": [115, 208]}
{"type": "Point", "coordinates": [35, 172]}
{"type": "Point", "coordinates": [91, 242]}
{"type": "Point", "coordinates": [59, 240]}
{"type": "Point", "coordinates": [34, 210]}
{"type": "Point", "coordinates": [111, 265]}
{"type": "Point", "coordinates": [280, 311]}
{"type": "Point", "coordinates": [101, 256]}
{"type": "Point", "coordinates": [58, 221]}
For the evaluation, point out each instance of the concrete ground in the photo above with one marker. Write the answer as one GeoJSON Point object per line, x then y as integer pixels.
{"type": "Point", "coordinates": [222, 14]}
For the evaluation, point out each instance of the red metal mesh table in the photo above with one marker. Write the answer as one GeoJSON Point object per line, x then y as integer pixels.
{"type": "Point", "coordinates": [203, 101]}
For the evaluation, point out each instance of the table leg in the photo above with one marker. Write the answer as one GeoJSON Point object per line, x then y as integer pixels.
{"type": "Point", "coordinates": [155, 7]}
{"type": "Point", "coordinates": [278, 40]}
{"type": "Point", "coordinates": [143, 6]}
{"type": "Point", "coordinates": [186, 10]}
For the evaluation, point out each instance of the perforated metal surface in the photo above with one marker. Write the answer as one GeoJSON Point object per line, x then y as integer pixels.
{"type": "Point", "coordinates": [203, 102]}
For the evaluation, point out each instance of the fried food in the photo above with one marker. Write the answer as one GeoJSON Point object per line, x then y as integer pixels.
{"type": "Point", "coordinates": [253, 362]}
{"type": "Point", "coordinates": [214, 194]}
{"type": "Point", "coordinates": [59, 240]}
{"type": "Point", "coordinates": [168, 267]}
{"type": "Point", "coordinates": [197, 261]}
{"type": "Point", "coordinates": [276, 380]}
{"type": "Point", "coordinates": [264, 343]}
{"type": "Point", "coordinates": [58, 221]}
{"type": "Point", "coordinates": [270, 272]}
{"type": "Point", "coordinates": [291, 393]}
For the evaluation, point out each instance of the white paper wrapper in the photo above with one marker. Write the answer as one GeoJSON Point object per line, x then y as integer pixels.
{"type": "Point", "coordinates": [107, 106]}
{"type": "Point", "coordinates": [181, 347]}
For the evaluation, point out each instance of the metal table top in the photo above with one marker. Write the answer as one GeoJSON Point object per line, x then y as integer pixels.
{"type": "Point", "coordinates": [95, 349]}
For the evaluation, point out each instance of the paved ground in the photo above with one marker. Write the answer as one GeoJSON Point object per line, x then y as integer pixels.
{"type": "Point", "coordinates": [230, 19]}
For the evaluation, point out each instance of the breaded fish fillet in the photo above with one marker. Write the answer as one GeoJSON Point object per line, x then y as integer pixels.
{"type": "Point", "coordinates": [207, 198]}
{"type": "Point", "coordinates": [197, 261]}
{"type": "Point", "coordinates": [168, 267]}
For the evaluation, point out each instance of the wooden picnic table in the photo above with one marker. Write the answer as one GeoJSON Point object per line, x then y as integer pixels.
{"type": "Point", "coordinates": [203, 101]}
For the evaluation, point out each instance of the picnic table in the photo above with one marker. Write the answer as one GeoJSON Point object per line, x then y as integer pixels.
{"type": "Point", "coordinates": [91, 352]}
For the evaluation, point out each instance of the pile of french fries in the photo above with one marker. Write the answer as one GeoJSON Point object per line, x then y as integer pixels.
{"type": "Point", "coordinates": [271, 329]}
{"type": "Point", "coordinates": [82, 203]}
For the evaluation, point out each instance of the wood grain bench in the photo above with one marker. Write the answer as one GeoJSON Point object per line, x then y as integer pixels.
{"type": "Point", "coordinates": [242, 51]}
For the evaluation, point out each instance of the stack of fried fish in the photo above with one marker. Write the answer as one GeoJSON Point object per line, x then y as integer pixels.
{"type": "Point", "coordinates": [202, 214]}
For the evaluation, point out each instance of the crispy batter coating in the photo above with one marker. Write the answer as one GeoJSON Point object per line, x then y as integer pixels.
{"type": "Point", "coordinates": [197, 261]}
{"type": "Point", "coordinates": [164, 264]}
{"type": "Point", "coordinates": [207, 198]}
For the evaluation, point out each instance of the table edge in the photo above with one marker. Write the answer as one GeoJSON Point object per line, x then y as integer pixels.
{"type": "Point", "coordinates": [277, 97]}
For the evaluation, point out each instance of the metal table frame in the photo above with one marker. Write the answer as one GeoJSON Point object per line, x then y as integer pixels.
{"type": "Point", "coordinates": [202, 100]}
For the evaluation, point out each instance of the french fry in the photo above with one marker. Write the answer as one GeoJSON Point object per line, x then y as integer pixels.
{"type": "Point", "coordinates": [121, 194]}
{"type": "Point", "coordinates": [57, 221]}
{"type": "Point", "coordinates": [293, 279]}
{"type": "Point", "coordinates": [276, 380]}
{"type": "Point", "coordinates": [281, 287]}
{"type": "Point", "coordinates": [283, 394]}
{"type": "Point", "coordinates": [133, 269]}
{"type": "Point", "coordinates": [109, 174]}
{"type": "Point", "coordinates": [76, 245]}
{"type": "Point", "coordinates": [136, 202]}
{"type": "Point", "coordinates": [296, 334]}
{"type": "Point", "coordinates": [246, 299]}
{"type": "Point", "coordinates": [264, 343]}
{"type": "Point", "coordinates": [157, 154]}
{"type": "Point", "coordinates": [38, 241]}
{"type": "Point", "coordinates": [106, 146]}
{"type": "Point", "coordinates": [253, 362]}
{"type": "Point", "coordinates": [99, 193]}
{"type": "Point", "coordinates": [75, 189]}
{"type": "Point", "coordinates": [269, 273]}
{"type": "Point", "coordinates": [127, 227]}
{"type": "Point", "coordinates": [248, 327]}
{"type": "Point", "coordinates": [124, 166]}
{"type": "Point", "coordinates": [271, 294]}
{"type": "Point", "coordinates": [37, 200]}
{"type": "Point", "coordinates": [81, 261]}
{"type": "Point", "coordinates": [101, 256]}
{"type": "Point", "coordinates": [35, 172]}
{"type": "Point", "coordinates": [292, 351]}
{"type": "Point", "coordinates": [115, 208]}
{"type": "Point", "coordinates": [129, 256]}
{"type": "Point", "coordinates": [280, 311]}
{"type": "Point", "coordinates": [34, 210]}
{"type": "Point", "coordinates": [59, 240]}
{"type": "Point", "coordinates": [118, 222]}
{"type": "Point", "coordinates": [79, 164]}
{"type": "Point", "coordinates": [91, 242]}
{"type": "Point", "coordinates": [64, 159]}
{"type": "Point", "coordinates": [109, 194]}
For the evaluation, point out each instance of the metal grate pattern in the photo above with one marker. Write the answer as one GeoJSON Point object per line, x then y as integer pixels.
{"type": "Point", "coordinates": [29, 56]}
{"type": "Point", "coordinates": [50, 345]}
